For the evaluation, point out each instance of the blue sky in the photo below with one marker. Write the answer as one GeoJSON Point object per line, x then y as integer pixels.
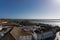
{"type": "Point", "coordinates": [30, 9]}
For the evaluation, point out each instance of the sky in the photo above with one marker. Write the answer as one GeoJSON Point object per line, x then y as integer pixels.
{"type": "Point", "coordinates": [30, 9]}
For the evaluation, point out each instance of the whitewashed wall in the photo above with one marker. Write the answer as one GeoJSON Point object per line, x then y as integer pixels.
{"type": "Point", "coordinates": [25, 38]}
{"type": "Point", "coordinates": [45, 35]}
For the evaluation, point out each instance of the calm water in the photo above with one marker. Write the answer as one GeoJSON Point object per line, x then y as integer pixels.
{"type": "Point", "coordinates": [54, 23]}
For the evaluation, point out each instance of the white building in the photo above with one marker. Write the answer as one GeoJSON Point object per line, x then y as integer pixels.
{"type": "Point", "coordinates": [41, 36]}
{"type": "Point", "coordinates": [19, 34]}
{"type": "Point", "coordinates": [57, 36]}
